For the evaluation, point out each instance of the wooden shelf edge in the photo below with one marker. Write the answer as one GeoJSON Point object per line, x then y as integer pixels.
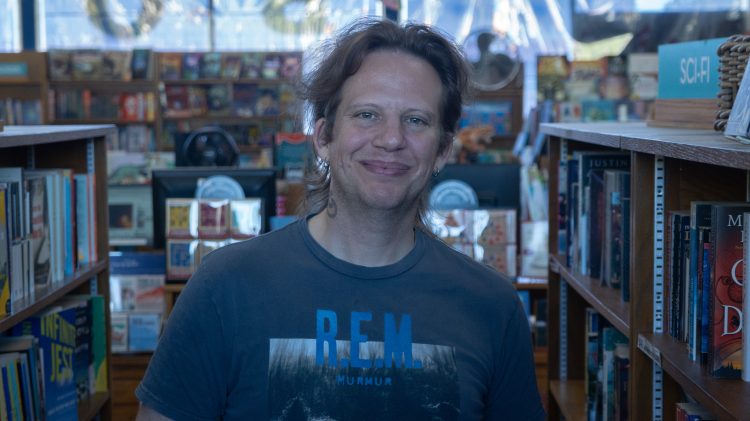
{"type": "Point", "coordinates": [723, 397]}
{"type": "Point", "coordinates": [604, 299]}
{"type": "Point", "coordinates": [89, 408]}
{"type": "Point", "coordinates": [51, 294]}
{"type": "Point", "coordinates": [570, 396]}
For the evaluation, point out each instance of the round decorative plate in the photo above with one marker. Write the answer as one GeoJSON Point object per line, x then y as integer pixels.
{"type": "Point", "coordinates": [453, 194]}
{"type": "Point", "coordinates": [219, 187]}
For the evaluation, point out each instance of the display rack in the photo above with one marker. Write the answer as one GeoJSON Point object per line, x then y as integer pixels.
{"type": "Point", "coordinates": [670, 167]}
{"type": "Point", "coordinates": [83, 149]}
{"type": "Point", "coordinates": [23, 79]}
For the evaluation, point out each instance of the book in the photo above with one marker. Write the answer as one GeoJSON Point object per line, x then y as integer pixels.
{"type": "Point", "coordinates": [5, 302]}
{"type": "Point", "coordinates": [738, 125]}
{"type": "Point", "coordinates": [28, 347]}
{"type": "Point", "coordinates": [86, 64]}
{"type": "Point", "coordinates": [244, 97]}
{"type": "Point", "coordinates": [56, 333]}
{"type": "Point", "coordinates": [210, 65]}
{"type": "Point", "coordinates": [593, 360]}
{"type": "Point", "coordinates": [611, 337]}
{"type": "Point", "coordinates": [177, 101]}
{"type": "Point", "coordinates": [41, 249]}
{"type": "Point", "coordinates": [271, 66]}
{"type": "Point", "coordinates": [616, 189]}
{"type": "Point", "coordinates": [116, 65]}
{"type": "Point", "coordinates": [191, 66]}
{"type": "Point", "coordinates": [59, 64]}
{"type": "Point", "coordinates": [291, 63]}
{"type": "Point", "coordinates": [170, 66]}
{"type": "Point", "coordinates": [746, 297]}
{"type": "Point", "coordinates": [252, 65]}
{"type": "Point", "coordinates": [246, 217]}
{"type": "Point", "coordinates": [552, 71]}
{"type": "Point", "coordinates": [98, 370]}
{"type": "Point", "coordinates": [231, 65]}
{"type": "Point", "coordinates": [591, 163]}
{"type": "Point", "coordinates": [182, 218]}
{"type": "Point", "coordinates": [119, 332]}
{"type": "Point", "coordinates": [140, 64]}
{"type": "Point", "coordinates": [622, 376]}
{"type": "Point", "coordinates": [82, 352]}
{"type": "Point", "coordinates": [219, 99]}
{"type": "Point", "coordinates": [213, 218]}
{"type": "Point", "coordinates": [181, 256]}
{"type": "Point", "coordinates": [268, 101]}
{"type": "Point", "coordinates": [143, 331]}
{"type": "Point", "coordinates": [725, 347]}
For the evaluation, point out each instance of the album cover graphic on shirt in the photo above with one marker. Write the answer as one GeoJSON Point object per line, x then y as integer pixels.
{"type": "Point", "coordinates": [361, 378]}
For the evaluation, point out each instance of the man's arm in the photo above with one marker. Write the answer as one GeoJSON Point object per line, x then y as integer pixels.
{"type": "Point", "coordinates": [146, 413]}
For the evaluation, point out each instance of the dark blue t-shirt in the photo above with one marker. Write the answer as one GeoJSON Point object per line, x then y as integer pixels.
{"type": "Point", "coordinates": [278, 328]}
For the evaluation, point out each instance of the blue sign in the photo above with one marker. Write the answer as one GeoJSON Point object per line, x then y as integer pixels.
{"type": "Point", "coordinates": [689, 69]}
{"type": "Point", "coordinates": [14, 69]}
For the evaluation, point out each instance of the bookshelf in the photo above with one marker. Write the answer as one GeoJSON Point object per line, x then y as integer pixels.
{"type": "Point", "coordinates": [248, 94]}
{"type": "Point", "coordinates": [692, 165]}
{"type": "Point", "coordinates": [23, 88]}
{"type": "Point", "coordinates": [82, 148]}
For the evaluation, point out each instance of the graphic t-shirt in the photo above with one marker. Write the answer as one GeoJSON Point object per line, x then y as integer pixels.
{"type": "Point", "coordinates": [278, 328]}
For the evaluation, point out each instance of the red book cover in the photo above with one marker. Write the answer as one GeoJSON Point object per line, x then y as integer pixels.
{"type": "Point", "coordinates": [725, 347]}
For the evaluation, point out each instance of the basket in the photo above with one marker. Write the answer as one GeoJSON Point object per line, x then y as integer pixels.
{"type": "Point", "coordinates": [733, 57]}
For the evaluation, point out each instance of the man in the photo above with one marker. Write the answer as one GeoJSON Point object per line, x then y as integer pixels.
{"type": "Point", "coordinates": [355, 311]}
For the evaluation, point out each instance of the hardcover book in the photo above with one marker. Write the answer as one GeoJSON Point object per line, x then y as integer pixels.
{"type": "Point", "coordinates": [213, 218]}
{"type": "Point", "coordinates": [725, 348]}
{"type": "Point", "coordinates": [56, 332]}
{"type": "Point", "coordinates": [170, 67]}
{"type": "Point", "coordinates": [191, 66]}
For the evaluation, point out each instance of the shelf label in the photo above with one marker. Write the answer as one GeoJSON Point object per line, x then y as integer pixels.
{"type": "Point", "coordinates": [14, 70]}
{"type": "Point", "coordinates": [689, 69]}
{"type": "Point", "coordinates": [649, 349]}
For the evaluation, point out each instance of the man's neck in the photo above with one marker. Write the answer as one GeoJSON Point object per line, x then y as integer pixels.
{"type": "Point", "coordinates": [372, 238]}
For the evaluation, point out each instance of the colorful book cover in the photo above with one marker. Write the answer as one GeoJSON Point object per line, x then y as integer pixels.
{"type": "Point", "coordinates": [271, 66]}
{"type": "Point", "coordinates": [213, 218]}
{"type": "Point", "coordinates": [143, 331]}
{"type": "Point", "coordinates": [252, 65]}
{"type": "Point", "coordinates": [725, 349]}
{"type": "Point", "coordinates": [40, 230]}
{"type": "Point", "coordinates": [210, 65]}
{"type": "Point", "coordinates": [611, 337]}
{"type": "Point", "coordinates": [552, 72]}
{"type": "Point", "coordinates": [291, 63]}
{"type": "Point", "coordinates": [82, 352]}
{"type": "Point", "coordinates": [56, 332]}
{"type": "Point", "coordinates": [181, 258]}
{"type": "Point", "coordinates": [170, 66]}
{"type": "Point", "coordinates": [219, 99]}
{"type": "Point", "coordinates": [244, 97]}
{"type": "Point", "coordinates": [182, 218]}
{"type": "Point", "coordinates": [191, 66]}
{"type": "Point", "coordinates": [231, 66]}
{"type": "Point", "coordinates": [140, 64]}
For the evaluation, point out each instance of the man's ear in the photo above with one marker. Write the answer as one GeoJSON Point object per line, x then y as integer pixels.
{"type": "Point", "coordinates": [320, 140]}
{"type": "Point", "coordinates": [443, 156]}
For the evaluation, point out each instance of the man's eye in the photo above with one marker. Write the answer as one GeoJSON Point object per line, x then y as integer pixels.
{"type": "Point", "coordinates": [366, 115]}
{"type": "Point", "coordinates": [417, 121]}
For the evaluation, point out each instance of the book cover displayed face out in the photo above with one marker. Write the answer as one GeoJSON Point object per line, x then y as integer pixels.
{"type": "Point", "coordinates": [725, 351]}
{"type": "Point", "coordinates": [739, 118]}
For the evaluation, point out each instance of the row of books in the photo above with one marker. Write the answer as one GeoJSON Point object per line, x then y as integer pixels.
{"type": "Point", "coordinates": [704, 272]}
{"type": "Point", "coordinates": [184, 255]}
{"type": "Point", "coordinates": [487, 235]}
{"type": "Point", "coordinates": [633, 76]}
{"type": "Point", "coordinates": [214, 219]}
{"type": "Point", "coordinates": [47, 229]}
{"type": "Point", "coordinates": [240, 100]}
{"type": "Point", "coordinates": [137, 138]}
{"type": "Point", "coordinates": [53, 360]}
{"type": "Point", "coordinates": [594, 216]}
{"type": "Point", "coordinates": [136, 300]}
{"type": "Point", "coordinates": [87, 104]}
{"type": "Point", "coordinates": [229, 65]}
{"type": "Point", "coordinates": [607, 367]}
{"type": "Point", "coordinates": [21, 111]}
{"type": "Point", "coordinates": [92, 64]}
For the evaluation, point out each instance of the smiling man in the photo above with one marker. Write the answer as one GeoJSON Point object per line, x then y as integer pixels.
{"type": "Point", "coordinates": [355, 311]}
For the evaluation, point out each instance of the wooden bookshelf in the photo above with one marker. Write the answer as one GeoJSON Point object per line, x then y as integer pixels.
{"type": "Point", "coordinates": [697, 165]}
{"type": "Point", "coordinates": [26, 80]}
{"type": "Point", "coordinates": [571, 396]}
{"type": "Point", "coordinates": [83, 149]}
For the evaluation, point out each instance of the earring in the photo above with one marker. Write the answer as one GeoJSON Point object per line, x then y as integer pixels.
{"type": "Point", "coordinates": [435, 173]}
{"type": "Point", "coordinates": [324, 165]}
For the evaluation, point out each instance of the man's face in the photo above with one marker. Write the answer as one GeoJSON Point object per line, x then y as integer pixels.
{"type": "Point", "coordinates": [385, 139]}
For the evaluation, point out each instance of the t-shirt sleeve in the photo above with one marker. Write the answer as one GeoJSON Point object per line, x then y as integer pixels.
{"type": "Point", "coordinates": [186, 378]}
{"type": "Point", "coordinates": [514, 394]}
